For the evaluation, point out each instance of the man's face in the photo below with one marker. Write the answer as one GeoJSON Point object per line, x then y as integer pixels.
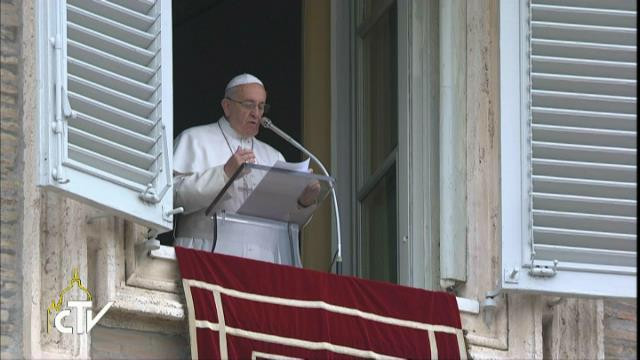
{"type": "Point", "coordinates": [244, 118]}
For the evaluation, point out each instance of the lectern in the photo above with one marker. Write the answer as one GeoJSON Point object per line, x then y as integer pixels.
{"type": "Point", "coordinates": [261, 210]}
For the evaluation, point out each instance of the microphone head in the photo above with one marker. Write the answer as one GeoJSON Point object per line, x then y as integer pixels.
{"type": "Point", "coordinates": [265, 122]}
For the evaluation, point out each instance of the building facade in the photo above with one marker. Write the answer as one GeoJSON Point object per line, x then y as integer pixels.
{"type": "Point", "coordinates": [438, 69]}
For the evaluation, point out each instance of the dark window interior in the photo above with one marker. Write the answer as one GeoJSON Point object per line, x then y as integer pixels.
{"type": "Point", "coordinates": [214, 40]}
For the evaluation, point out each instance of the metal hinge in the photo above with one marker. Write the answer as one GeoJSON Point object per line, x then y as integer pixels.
{"type": "Point", "coordinates": [149, 194]}
{"type": "Point", "coordinates": [511, 275]}
{"type": "Point", "coordinates": [168, 215]}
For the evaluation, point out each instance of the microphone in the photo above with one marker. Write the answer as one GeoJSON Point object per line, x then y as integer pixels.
{"type": "Point", "coordinates": [268, 124]}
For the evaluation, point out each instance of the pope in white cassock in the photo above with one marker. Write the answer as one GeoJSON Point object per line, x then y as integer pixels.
{"type": "Point", "coordinates": [206, 156]}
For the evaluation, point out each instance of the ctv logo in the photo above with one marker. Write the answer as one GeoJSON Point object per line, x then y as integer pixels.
{"type": "Point", "coordinates": [83, 310]}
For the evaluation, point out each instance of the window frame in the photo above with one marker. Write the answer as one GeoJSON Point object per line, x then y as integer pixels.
{"type": "Point", "coordinates": [518, 271]}
{"type": "Point", "coordinates": [365, 183]}
{"type": "Point", "coordinates": [417, 159]}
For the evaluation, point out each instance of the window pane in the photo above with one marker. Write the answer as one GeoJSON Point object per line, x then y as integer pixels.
{"type": "Point", "coordinates": [380, 123]}
{"type": "Point", "coordinates": [371, 8]}
{"type": "Point", "coordinates": [379, 232]}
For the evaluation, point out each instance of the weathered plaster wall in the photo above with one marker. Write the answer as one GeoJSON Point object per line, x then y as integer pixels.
{"type": "Point", "coordinates": [514, 329]}
{"type": "Point", "coordinates": [572, 328]}
{"type": "Point", "coordinates": [113, 343]}
{"type": "Point", "coordinates": [31, 227]}
{"type": "Point", "coordinates": [11, 165]}
{"type": "Point", "coordinates": [147, 301]}
{"type": "Point", "coordinates": [621, 329]}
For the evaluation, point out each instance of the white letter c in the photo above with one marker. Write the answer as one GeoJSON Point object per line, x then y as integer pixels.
{"type": "Point", "coordinates": [58, 322]}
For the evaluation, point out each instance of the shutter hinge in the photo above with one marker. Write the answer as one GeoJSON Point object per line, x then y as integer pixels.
{"type": "Point", "coordinates": [168, 215]}
{"type": "Point", "coordinates": [149, 194]}
{"type": "Point", "coordinates": [544, 271]}
{"type": "Point", "coordinates": [150, 242]}
{"type": "Point", "coordinates": [511, 275]}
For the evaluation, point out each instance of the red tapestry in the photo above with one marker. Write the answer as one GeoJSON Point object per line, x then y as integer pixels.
{"type": "Point", "coordinates": [246, 309]}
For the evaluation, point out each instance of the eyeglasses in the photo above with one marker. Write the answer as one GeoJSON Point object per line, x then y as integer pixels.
{"type": "Point", "coordinates": [250, 105]}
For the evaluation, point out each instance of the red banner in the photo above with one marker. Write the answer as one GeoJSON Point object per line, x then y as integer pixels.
{"type": "Point", "coordinates": [246, 309]}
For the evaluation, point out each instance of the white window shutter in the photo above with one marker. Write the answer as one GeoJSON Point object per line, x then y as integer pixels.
{"type": "Point", "coordinates": [106, 105]}
{"type": "Point", "coordinates": [569, 146]}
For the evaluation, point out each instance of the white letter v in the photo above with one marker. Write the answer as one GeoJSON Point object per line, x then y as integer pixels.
{"type": "Point", "coordinates": [91, 322]}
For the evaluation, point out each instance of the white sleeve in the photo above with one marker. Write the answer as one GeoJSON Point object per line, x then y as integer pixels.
{"type": "Point", "coordinates": [196, 190]}
{"type": "Point", "coordinates": [195, 185]}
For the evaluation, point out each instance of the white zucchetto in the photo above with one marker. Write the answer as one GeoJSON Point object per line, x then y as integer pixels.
{"type": "Point", "coordinates": [243, 79]}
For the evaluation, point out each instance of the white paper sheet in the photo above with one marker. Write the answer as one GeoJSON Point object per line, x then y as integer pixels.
{"type": "Point", "coordinates": [276, 195]}
{"type": "Point", "coordinates": [298, 166]}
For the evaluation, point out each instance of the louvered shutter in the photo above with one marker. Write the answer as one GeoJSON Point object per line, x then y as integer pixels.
{"type": "Point", "coordinates": [108, 136]}
{"type": "Point", "coordinates": [577, 135]}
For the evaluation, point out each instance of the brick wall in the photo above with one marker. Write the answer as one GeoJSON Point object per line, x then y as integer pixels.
{"type": "Point", "coordinates": [10, 179]}
{"type": "Point", "coordinates": [620, 329]}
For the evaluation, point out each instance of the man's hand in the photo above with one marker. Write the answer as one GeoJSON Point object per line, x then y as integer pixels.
{"type": "Point", "coordinates": [309, 195]}
{"type": "Point", "coordinates": [240, 157]}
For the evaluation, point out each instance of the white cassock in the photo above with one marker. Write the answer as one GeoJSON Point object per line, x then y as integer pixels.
{"type": "Point", "coordinates": [199, 156]}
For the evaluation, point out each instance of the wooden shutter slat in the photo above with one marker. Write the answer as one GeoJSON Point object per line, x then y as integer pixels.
{"type": "Point", "coordinates": [582, 118]}
{"type": "Point", "coordinates": [115, 115]}
{"type": "Point", "coordinates": [583, 204]}
{"type": "Point", "coordinates": [110, 96]}
{"type": "Point", "coordinates": [110, 149]}
{"type": "Point", "coordinates": [573, 152]}
{"type": "Point", "coordinates": [583, 67]}
{"type": "Point", "coordinates": [584, 136]}
{"type": "Point", "coordinates": [583, 50]}
{"type": "Point", "coordinates": [586, 255]}
{"type": "Point", "coordinates": [582, 101]}
{"type": "Point", "coordinates": [115, 133]}
{"type": "Point", "coordinates": [584, 15]}
{"type": "Point", "coordinates": [585, 187]}
{"type": "Point", "coordinates": [582, 238]}
{"type": "Point", "coordinates": [586, 84]}
{"type": "Point", "coordinates": [125, 12]}
{"type": "Point", "coordinates": [109, 44]}
{"type": "Point", "coordinates": [141, 6]}
{"type": "Point", "coordinates": [105, 25]}
{"type": "Point", "coordinates": [583, 169]}
{"type": "Point", "coordinates": [110, 79]}
{"type": "Point", "coordinates": [110, 62]}
{"type": "Point", "coordinates": [584, 33]}
{"type": "Point", "coordinates": [585, 221]}
{"type": "Point", "coordinates": [110, 166]}
{"type": "Point", "coordinates": [625, 5]}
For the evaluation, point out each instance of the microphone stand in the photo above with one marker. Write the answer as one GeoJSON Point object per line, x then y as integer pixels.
{"type": "Point", "coordinates": [267, 123]}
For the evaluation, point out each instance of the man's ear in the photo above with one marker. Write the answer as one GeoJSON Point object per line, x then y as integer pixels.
{"type": "Point", "coordinates": [225, 107]}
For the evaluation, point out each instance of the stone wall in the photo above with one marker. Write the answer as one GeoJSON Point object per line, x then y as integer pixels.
{"type": "Point", "coordinates": [117, 343]}
{"type": "Point", "coordinates": [11, 166]}
{"type": "Point", "coordinates": [620, 329]}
